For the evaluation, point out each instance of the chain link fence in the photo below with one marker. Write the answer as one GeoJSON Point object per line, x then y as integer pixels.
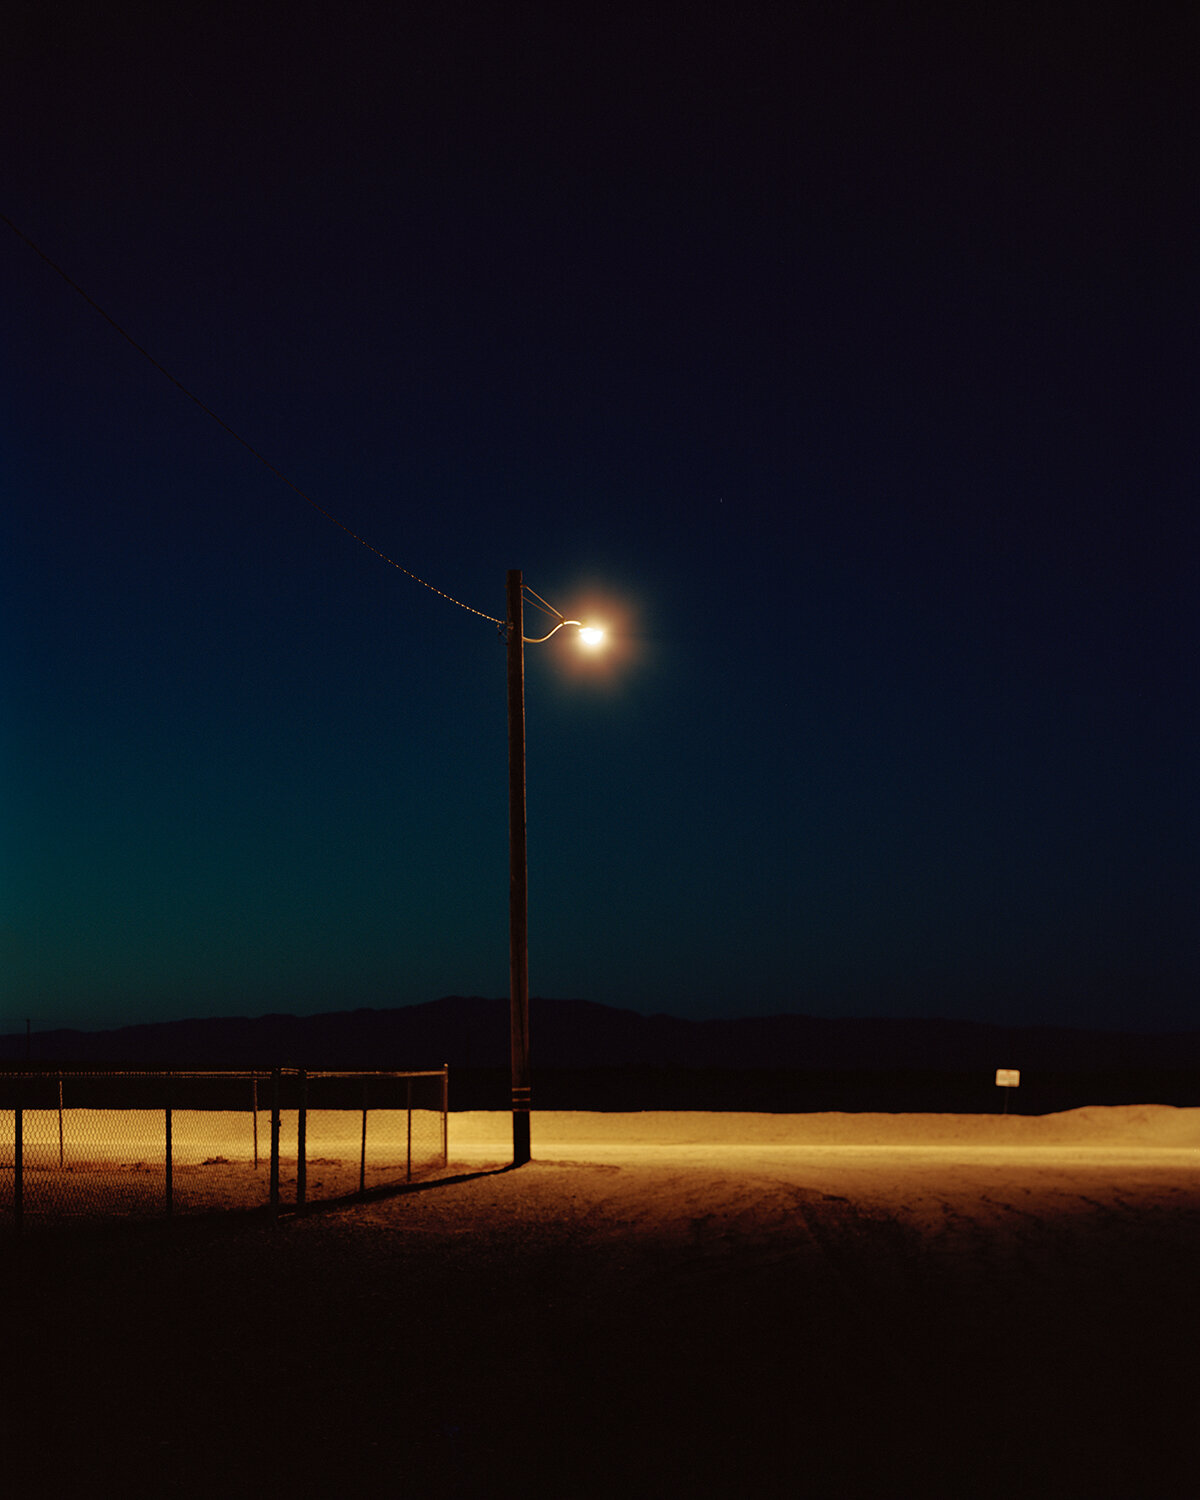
{"type": "Point", "coordinates": [95, 1145]}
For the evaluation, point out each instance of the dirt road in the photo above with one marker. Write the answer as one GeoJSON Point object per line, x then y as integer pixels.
{"type": "Point", "coordinates": [636, 1315]}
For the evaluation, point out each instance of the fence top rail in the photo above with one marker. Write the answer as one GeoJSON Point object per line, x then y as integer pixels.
{"type": "Point", "coordinates": [370, 1072]}
{"type": "Point", "coordinates": [235, 1074]}
{"type": "Point", "coordinates": [69, 1072]}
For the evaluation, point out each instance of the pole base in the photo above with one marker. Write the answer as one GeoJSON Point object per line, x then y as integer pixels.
{"type": "Point", "coordinates": [522, 1148]}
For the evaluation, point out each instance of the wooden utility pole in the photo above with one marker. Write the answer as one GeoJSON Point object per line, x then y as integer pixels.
{"type": "Point", "coordinates": [518, 894]}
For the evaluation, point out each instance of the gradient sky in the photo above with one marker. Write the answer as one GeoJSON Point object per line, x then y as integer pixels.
{"type": "Point", "coordinates": [841, 357]}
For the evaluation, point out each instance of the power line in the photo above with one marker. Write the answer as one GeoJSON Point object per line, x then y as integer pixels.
{"type": "Point", "coordinates": [220, 421]}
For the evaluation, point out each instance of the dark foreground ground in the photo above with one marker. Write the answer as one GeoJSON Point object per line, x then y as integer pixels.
{"type": "Point", "coordinates": [828, 1326]}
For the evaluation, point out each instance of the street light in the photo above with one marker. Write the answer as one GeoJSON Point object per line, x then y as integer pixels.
{"type": "Point", "coordinates": [518, 889]}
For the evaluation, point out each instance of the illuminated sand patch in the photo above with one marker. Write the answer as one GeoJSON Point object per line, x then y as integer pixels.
{"type": "Point", "coordinates": [214, 1152]}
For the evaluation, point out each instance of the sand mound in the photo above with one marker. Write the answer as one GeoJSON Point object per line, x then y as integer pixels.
{"type": "Point", "coordinates": [1148, 1125]}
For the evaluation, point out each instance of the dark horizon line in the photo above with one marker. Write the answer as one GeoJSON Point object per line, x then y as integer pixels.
{"type": "Point", "coordinates": [25, 1026]}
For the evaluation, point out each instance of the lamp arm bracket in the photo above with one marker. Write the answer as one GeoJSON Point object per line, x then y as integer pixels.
{"type": "Point", "coordinates": [530, 640]}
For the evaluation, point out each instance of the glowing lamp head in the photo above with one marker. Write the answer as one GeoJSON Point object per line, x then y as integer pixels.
{"type": "Point", "coordinates": [591, 635]}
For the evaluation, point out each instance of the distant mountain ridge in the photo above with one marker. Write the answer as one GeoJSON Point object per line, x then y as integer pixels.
{"type": "Point", "coordinates": [472, 1032]}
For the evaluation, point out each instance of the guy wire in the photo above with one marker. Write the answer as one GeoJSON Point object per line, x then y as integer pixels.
{"type": "Point", "coordinates": [540, 603]}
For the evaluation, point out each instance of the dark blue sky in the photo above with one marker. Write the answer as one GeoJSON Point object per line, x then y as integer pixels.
{"type": "Point", "coordinates": [842, 357]}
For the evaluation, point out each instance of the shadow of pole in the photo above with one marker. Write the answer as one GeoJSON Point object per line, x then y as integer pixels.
{"type": "Point", "coordinates": [389, 1190]}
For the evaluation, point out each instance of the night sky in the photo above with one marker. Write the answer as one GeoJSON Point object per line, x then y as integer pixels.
{"type": "Point", "coordinates": [842, 358]}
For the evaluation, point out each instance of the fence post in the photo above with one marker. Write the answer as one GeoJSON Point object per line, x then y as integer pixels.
{"type": "Point", "coordinates": [362, 1162]}
{"type": "Point", "coordinates": [445, 1114]}
{"type": "Point", "coordinates": [274, 1199]}
{"type": "Point", "coordinates": [301, 1140]}
{"type": "Point", "coordinates": [18, 1165]}
{"type": "Point", "coordinates": [254, 1113]}
{"type": "Point", "coordinates": [60, 1129]}
{"type": "Point", "coordinates": [408, 1083]}
{"type": "Point", "coordinates": [170, 1186]}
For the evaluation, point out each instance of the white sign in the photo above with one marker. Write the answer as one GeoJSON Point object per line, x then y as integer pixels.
{"type": "Point", "coordinates": [1008, 1078]}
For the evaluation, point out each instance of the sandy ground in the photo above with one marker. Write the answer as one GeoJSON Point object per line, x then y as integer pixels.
{"type": "Point", "coordinates": [658, 1305]}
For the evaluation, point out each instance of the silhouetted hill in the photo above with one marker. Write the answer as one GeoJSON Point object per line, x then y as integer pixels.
{"type": "Point", "coordinates": [472, 1033]}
